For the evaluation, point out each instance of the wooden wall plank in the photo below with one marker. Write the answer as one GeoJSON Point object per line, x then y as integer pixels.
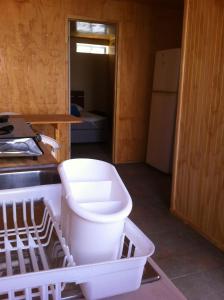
{"type": "Point", "coordinates": [198, 187]}
{"type": "Point", "coordinates": [32, 58]}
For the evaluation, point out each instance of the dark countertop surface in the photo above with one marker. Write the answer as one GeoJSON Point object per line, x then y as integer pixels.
{"type": "Point", "coordinates": [24, 172]}
{"type": "Point", "coordinates": [26, 178]}
{"type": "Point", "coordinates": [8, 164]}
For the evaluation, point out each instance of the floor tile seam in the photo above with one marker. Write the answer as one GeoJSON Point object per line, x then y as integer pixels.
{"type": "Point", "coordinates": [173, 279]}
{"type": "Point", "coordinates": [168, 230]}
{"type": "Point", "coordinates": [174, 254]}
{"type": "Point", "coordinates": [161, 231]}
{"type": "Point", "coordinates": [165, 230]}
{"type": "Point", "coordinates": [185, 275]}
{"type": "Point", "coordinates": [159, 261]}
{"type": "Point", "coordinates": [193, 248]}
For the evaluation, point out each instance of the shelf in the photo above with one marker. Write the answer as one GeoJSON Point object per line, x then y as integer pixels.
{"type": "Point", "coordinates": [50, 119]}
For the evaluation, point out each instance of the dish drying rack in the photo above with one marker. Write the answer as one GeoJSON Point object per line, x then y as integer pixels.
{"type": "Point", "coordinates": [35, 260]}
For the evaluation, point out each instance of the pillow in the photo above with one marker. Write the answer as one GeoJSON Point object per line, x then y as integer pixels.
{"type": "Point", "coordinates": [74, 110]}
{"type": "Point", "coordinates": [80, 108]}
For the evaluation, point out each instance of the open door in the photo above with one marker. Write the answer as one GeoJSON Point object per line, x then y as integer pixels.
{"type": "Point", "coordinates": [92, 52]}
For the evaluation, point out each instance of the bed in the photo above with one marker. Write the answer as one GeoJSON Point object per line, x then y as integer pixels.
{"type": "Point", "coordinates": [93, 129]}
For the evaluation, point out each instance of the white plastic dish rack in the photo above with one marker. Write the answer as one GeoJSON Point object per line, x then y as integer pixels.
{"type": "Point", "coordinates": [35, 261]}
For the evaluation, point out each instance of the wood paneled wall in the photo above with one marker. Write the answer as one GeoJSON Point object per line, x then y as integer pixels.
{"type": "Point", "coordinates": [33, 63]}
{"type": "Point", "coordinates": [198, 184]}
{"type": "Point", "coordinates": [32, 56]}
{"type": "Point", "coordinates": [167, 25]}
{"type": "Point", "coordinates": [33, 59]}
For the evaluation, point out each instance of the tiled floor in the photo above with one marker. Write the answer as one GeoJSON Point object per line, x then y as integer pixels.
{"type": "Point", "coordinates": [194, 265]}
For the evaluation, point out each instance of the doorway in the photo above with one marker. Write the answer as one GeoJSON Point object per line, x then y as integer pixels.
{"type": "Point", "coordinates": [92, 73]}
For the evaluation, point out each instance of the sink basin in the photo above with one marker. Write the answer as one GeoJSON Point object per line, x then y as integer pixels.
{"type": "Point", "coordinates": [19, 179]}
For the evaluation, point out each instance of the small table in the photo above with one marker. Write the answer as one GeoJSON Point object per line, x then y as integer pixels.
{"type": "Point", "coordinates": [50, 119]}
{"type": "Point", "coordinates": [55, 120]}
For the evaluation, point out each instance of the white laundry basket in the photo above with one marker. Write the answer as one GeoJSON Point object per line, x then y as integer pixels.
{"type": "Point", "coordinates": [94, 208]}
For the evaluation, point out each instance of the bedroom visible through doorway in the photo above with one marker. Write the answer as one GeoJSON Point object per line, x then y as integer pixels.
{"type": "Point", "coordinates": [92, 86]}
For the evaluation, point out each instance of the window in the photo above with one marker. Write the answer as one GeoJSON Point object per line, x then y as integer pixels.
{"type": "Point", "coordinates": [91, 48]}
{"type": "Point", "coordinates": [86, 27]}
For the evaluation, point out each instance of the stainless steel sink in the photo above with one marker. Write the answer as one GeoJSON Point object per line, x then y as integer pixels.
{"type": "Point", "coordinates": [27, 178]}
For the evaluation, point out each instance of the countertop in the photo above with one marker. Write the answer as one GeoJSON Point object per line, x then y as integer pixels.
{"type": "Point", "coordinates": [50, 119]}
{"type": "Point", "coordinates": [57, 122]}
{"type": "Point", "coordinates": [22, 163]}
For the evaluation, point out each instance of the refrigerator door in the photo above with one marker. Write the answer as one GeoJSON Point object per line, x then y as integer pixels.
{"type": "Point", "coordinates": [161, 131]}
{"type": "Point", "coordinates": [166, 71]}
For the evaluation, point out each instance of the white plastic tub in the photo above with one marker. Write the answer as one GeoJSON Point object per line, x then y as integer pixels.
{"type": "Point", "coordinates": [31, 276]}
{"type": "Point", "coordinates": [94, 208]}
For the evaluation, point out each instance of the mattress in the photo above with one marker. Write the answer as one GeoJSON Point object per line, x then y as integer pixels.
{"type": "Point", "coordinates": [94, 128]}
{"type": "Point", "coordinates": [90, 121]}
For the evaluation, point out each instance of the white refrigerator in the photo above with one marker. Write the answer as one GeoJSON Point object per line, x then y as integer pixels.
{"type": "Point", "coordinates": [163, 110]}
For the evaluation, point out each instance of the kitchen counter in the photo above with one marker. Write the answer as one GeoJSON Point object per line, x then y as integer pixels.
{"type": "Point", "coordinates": [50, 119]}
{"type": "Point", "coordinates": [24, 172]}
{"type": "Point", "coordinates": [22, 163]}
